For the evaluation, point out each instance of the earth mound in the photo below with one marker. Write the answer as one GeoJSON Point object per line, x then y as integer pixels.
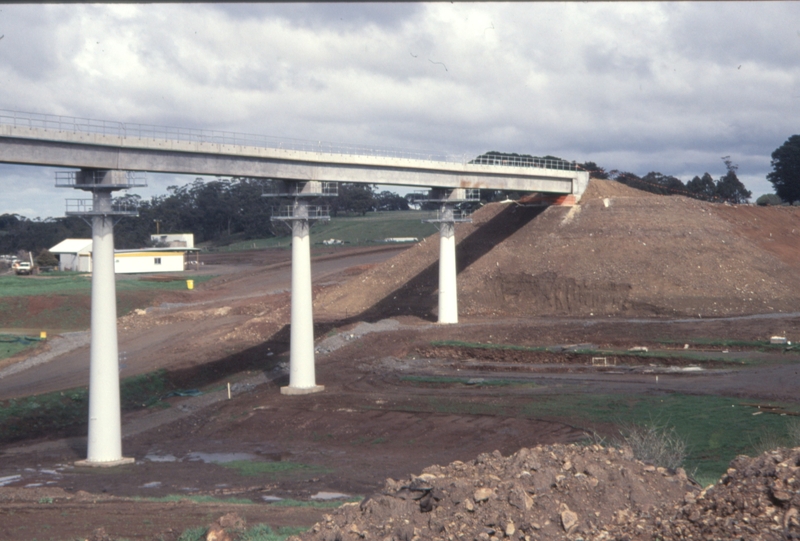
{"type": "Point", "coordinates": [620, 252]}
{"type": "Point", "coordinates": [571, 492]}
{"type": "Point", "coordinates": [548, 492]}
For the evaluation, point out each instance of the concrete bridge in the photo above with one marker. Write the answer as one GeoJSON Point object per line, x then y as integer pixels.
{"type": "Point", "coordinates": [106, 156]}
{"type": "Point", "coordinates": [59, 141]}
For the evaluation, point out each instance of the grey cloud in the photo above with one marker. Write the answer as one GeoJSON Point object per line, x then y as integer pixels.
{"type": "Point", "coordinates": [347, 17]}
{"type": "Point", "coordinates": [734, 33]}
{"type": "Point", "coordinates": [32, 48]}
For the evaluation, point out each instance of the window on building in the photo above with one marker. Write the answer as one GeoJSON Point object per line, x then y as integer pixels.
{"type": "Point", "coordinates": [157, 260]}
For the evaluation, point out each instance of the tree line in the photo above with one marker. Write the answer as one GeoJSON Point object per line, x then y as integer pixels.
{"type": "Point", "coordinates": [212, 210]}
{"type": "Point", "coordinates": [728, 188]}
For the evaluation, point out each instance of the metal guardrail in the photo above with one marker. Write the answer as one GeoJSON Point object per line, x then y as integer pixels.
{"type": "Point", "coordinates": [85, 207]}
{"type": "Point", "coordinates": [300, 189]}
{"type": "Point", "coordinates": [526, 161]}
{"type": "Point", "coordinates": [450, 216]}
{"type": "Point", "coordinates": [218, 137]}
{"type": "Point", "coordinates": [287, 212]}
{"type": "Point", "coordinates": [69, 179]}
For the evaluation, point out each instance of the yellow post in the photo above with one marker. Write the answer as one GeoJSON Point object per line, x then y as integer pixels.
{"type": "Point", "coordinates": [43, 335]}
{"type": "Point", "coordinates": [190, 284]}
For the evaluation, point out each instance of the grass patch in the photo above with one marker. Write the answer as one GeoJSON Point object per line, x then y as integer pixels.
{"type": "Point", "coordinates": [327, 504]}
{"type": "Point", "coordinates": [440, 405]}
{"type": "Point", "coordinates": [262, 532]}
{"type": "Point", "coordinates": [64, 412]}
{"type": "Point", "coordinates": [259, 532]}
{"type": "Point", "coordinates": [475, 382]}
{"type": "Point", "coordinates": [193, 534]}
{"type": "Point", "coordinates": [479, 345]}
{"type": "Point", "coordinates": [371, 228]}
{"type": "Point", "coordinates": [144, 390]}
{"type": "Point", "coordinates": [77, 284]}
{"type": "Point", "coordinates": [196, 498]}
{"type": "Point", "coordinates": [21, 286]}
{"type": "Point", "coordinates": [374, 227]}
{"type": "Point", "coordinates": [10, 345]}
{"type": "Point", "coordinates": [68, 299]}
{"type": "Point", "coordinates": [759, 345]}
{"type": "Point", "coordinates": [716, 429]}
{"type": "Point", "coordinates": [694, 356]}
{"type": "Point", "coordinates": [249, 468]}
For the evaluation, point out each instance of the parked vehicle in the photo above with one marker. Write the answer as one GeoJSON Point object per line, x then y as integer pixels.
{"type": "Point", "coordinates": [22, 267]}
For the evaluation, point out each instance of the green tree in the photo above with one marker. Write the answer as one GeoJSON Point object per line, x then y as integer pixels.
{"type": "Point", "coordinates": [704, 186]}
{"type": "Point", "coordinates": [785, 177]}
{"type": "Point", "coordinates": [387, 200]}
{"type": "Point", "coordinates": [353, 198]}
{"type": "Point", "coordinates": [769, 199]}
{"type": "Point", "coordinates": [46, 259]}
{"type": "Point", "coordinates": [663, 184]}
{"type": "Point", "coordinates": [595, 171]}
{"type": "Point", "coordinates": [729, 187]}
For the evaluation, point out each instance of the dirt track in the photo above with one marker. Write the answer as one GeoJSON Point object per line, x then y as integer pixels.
{"type": "Point", "coordinates": [372, 422]}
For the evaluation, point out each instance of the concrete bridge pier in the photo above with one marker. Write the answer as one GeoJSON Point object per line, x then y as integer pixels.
{"type": "Point", "coordinates": [447, 217]}
{"type": "Point", "coordinates": [299, 216]}
{"type": "Point", "coordinates": [302, 372]}
{"type": "Point", "coordinates": [448, 286]}
{"type": "Point", "coordinates": [105, 432]}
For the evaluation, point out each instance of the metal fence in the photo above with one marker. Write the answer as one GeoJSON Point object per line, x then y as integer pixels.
{"type": "Point", "coordinates": [85, 207]}
{"type": "Point", "coordinates": [165, 133]}
{"type": "Point", "coordinates": [287, 212]}
{"type": "Point", "coordinates": [131, 179]}
{"type": "Point", "coordinates": [301, 189]}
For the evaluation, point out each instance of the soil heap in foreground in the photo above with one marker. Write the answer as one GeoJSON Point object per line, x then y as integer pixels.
{"type": "Point", "coordinates": [572, 492]}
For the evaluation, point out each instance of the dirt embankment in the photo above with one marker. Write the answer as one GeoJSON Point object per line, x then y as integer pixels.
{"type": "Point", "coordinates": [632, 254]}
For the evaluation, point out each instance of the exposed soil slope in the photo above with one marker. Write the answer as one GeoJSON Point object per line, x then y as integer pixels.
{"type": "Point", "coordinates": [632, 254]}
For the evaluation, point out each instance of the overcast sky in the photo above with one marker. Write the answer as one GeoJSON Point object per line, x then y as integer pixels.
{"type": "Point", "coordinates": [639, 87]}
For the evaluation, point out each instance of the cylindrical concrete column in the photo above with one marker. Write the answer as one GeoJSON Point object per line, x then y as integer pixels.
{"type": "Point", "coordinates": [105, 434]}
{"type": "Point", "coordinates": [448, 294]}
{"type": "Point", "coordinates": [302, 378]}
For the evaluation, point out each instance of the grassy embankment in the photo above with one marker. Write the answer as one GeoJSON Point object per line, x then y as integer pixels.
{"type": "Point", "coordinates": [366, 230]}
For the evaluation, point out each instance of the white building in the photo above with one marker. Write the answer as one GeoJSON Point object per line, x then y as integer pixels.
{"type": "Point", "coordinates": [76, 255]}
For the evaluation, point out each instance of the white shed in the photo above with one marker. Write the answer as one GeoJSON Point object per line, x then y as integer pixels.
{"type": "Point", "coordinates": [74, 255]}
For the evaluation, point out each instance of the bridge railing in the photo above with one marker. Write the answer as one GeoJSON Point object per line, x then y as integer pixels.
{"type": "Point", "coordinates": [219, 137]}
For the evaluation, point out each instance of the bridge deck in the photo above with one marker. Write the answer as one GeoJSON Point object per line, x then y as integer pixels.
{"type": "Point", "coordinates": [67, 145]}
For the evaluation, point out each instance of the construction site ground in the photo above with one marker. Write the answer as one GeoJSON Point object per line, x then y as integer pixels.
{"type": "Point", "coordinates": [620, 271]}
